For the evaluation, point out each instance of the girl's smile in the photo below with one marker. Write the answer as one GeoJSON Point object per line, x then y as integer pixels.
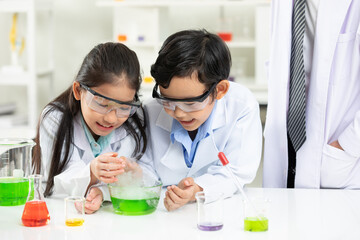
{"type": "Point", "coordinates": [105, 127]}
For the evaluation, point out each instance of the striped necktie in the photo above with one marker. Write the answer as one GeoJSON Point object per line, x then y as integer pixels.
{"type": "Point", "coordinates": [296, 115]}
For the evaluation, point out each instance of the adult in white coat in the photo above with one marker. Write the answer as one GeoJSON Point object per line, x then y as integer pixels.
{"type": "Point", "coordinates": [84, 132]}
{"type": "Point", "coordinates": [330, 156]}
{"type": "Point", "coordinates": [197, 113]}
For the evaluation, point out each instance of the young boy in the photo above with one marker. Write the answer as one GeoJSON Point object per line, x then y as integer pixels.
{"type": "Point", "coordinates": [196, 111]}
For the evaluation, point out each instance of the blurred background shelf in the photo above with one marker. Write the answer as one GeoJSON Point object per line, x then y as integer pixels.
{"type": "Point", "coordinates": [188, 3]}
{"type": "Point", "coordinates": [244, 25]}
{"type": "Point", "coordinates": [24, 76]}
{"type": "Point", "coordinates": [25, 5]}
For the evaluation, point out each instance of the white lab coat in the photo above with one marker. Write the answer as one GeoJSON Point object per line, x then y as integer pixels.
{"type": "Point", "coordinates": [237, 132]}
{"type": "Point", "coordinates": [333, 100]}
{"type": "Point", "coordinates": [76, 176]}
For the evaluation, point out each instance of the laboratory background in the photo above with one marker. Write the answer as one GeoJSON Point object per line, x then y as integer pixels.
{"type": "Point", "coordinates": [51, 38]}
{"type": "Point", "coordinates": [42, 46]}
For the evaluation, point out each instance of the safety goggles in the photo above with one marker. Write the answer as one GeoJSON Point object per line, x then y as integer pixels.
{"type": "Point", "coordinates": [104, 105]}
{"type": "Point", "coordinates": [186, 105]}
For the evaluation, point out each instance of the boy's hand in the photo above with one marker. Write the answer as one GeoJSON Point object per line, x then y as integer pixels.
{"type": "Point", "coordinates": [178, 196]}
{"type": "Point", "coordinates": [93, 200]}
{"type": "Point", "coordinates": [106, 166]}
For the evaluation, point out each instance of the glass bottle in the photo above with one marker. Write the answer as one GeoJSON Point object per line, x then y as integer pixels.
{"type": "Point", "coordinates": [35, 212]}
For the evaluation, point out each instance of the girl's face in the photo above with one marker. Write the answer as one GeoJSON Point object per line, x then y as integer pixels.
{"type": "Point", "coordinates": [103, 124]}
{"type": "Point", "coordinates": [187, 87]}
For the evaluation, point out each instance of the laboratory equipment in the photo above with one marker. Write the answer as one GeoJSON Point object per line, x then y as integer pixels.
{"type": "Point", "coordinates": [74, 211]}
{"type": "Point", "coordinates": [35, 212]}
{"type": "Point", "coordinates": [210, 211]}
{"type": "Point", "coordinates": [15, 167]}
{"type": "Point", "coordinates": [136, 192]}
{"type": "Point", "coordinates": [252, 222]}
{"type": "Point", "coordinates": [122, 37]}
{"type": "Point", "coordinates": [225, 28]}
{"type": "Point", "coordinates": [259, 218]}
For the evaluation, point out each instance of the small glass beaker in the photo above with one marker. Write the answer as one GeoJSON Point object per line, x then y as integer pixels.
{"type": "Point", "coordinates": [210, 211]}
{"type": "Point", "coordinates": [74, 211]}
{"type": "Point", "coordinates": [255, 215]}
{"type": "Point", "coordinates": [35, 212]}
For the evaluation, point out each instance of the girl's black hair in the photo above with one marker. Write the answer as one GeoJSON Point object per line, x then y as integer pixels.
{"type": "Point", "coordinates": [105, 63]}
{"type": "Point", "coordinates": [192, 51]}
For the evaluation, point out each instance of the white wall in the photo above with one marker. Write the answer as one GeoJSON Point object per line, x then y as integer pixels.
{"type": "Point", "coordinates": [78, 26]}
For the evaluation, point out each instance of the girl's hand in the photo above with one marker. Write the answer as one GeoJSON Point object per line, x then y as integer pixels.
{"type": "Point", "coordinates": [178, 196]}
{"type": "Point", "coordinates": [131, 165]}
{"type": "Point", "coordinates": [106, 166]}
{"type": "Point", "coordinates": [93, 200]}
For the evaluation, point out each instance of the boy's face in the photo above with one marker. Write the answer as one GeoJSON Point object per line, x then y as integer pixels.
{"type": "Point", "coordinates": [183, 88]}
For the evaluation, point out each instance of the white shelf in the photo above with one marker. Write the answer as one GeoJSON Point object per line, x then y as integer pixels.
{"type": "Point", "coordinates": [164, 3]}
{"type": "Point", "coordinates": [141, 44]}
{"type": "Point", "coordinates": [24, 5]}
{"type": "Point", "coordinates": [16, 79]}
{"type": "Point", "coordinates": [21, 78]}
{"type": "Point", "coordinates": [43, 72]}
{"type": "Point", "coordinates": [18, 132]}
{"type": "Point", "coordinates": [231, 44]}
{"type": "Point", "coordinates": [156, 19]}
{"type": "Point", "coordinates": [11, 76]}
{"type": "Point", "coordinates": [241, 44]}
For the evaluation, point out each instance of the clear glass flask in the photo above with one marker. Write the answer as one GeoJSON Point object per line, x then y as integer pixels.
{"type": "Point", "coordinates": [35, 213]}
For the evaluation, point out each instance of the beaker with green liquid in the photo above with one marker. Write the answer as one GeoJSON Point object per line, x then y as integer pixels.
{"type": "Point", "coordinates": [15, 167]}
{"type": "Point", "coordinates": [136, 192]}
{"type": "Point", "coordinates": [256, 221]}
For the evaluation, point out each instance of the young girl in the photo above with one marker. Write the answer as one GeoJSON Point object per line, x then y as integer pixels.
{"type": "Point", "coordinates": [196, 113]}
{"type": "Point", "coordinates": [85, 130]}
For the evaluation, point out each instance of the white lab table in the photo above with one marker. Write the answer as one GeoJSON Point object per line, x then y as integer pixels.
{"type": "Point", "coordinates": [293, 214]}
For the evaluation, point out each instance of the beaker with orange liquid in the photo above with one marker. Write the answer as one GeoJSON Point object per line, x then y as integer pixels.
{"type": "Point", "coordinates": [35, 213]}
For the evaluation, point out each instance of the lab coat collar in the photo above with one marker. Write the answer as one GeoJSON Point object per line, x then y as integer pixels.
{"type": "Point", "coordinates": [165, 121]}
{"type": "Point", "coordinates": [220, 116]}
{"type": "Point", "coordinates": [174, 157]}
{"type": "Point", "coordinates": [205, 148]}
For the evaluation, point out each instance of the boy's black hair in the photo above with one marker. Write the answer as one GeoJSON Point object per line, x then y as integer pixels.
{"type": "Point", "coordinates": [105, 63]}
{"type": "Point", "coordinates": [192, 51]}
